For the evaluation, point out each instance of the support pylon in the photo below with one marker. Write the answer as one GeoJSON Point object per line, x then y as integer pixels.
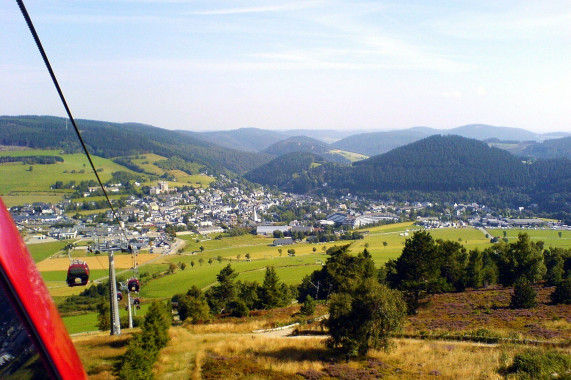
{"type": "Point", "coordinates": [113, 302]}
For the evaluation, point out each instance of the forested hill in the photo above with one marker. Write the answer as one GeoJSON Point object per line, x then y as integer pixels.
{"type": "Point", "coordinates": [305, 144]}
{"type": "Point", "coordinates": [288, 172]}
{"type": "Point", "coordinates": [374, 143]}
{"type": "Point", "coordinates": [440, 168]}
{"type": "Point", "coordinates": [114, 139]}
{"type": "Point", "coordinates": [246, 139]}
{"type": "Point", "coordinates": [550, 148]}
{"type": "Point", "coordinates": [441, 163]}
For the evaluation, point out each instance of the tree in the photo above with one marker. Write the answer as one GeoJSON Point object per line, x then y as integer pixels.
{"type": "Point", "coordinates": [562, 293]}
{"type": "Point", "coordinates": [271, 293]}
{"type": "Point", "coordinates": [103, 316]}
{"type": "Point", "coordinates": [417, 269]}
{"type": "Point", "coordinates": [201, 249]}
{"type": "Point", "coordinates": [314, 249]}
{"type": "Point", "coordinates": [342, 270]}
{"type": "Point", "coordinates": [219, 296]}
{"type": "Point", "coordinates": [554, 260]}
{"type": "Point", "coordinates": [524, 297]}
{"type": "Point", "coordinates": [453, 261]}
{"type": "Point", "coordinates": [280, 251]}
{"type": "Point", "coordinates": [193, 306]}
{"type": "Point", "coordinates": [364, 318]}
{"type": "Point", "coordinates": [210, 261]}
{"type": "Point", "coordinates": [249, 293]}
{"type": "Point", "coordinates": [182, 266]}
{"type": "Point", "coordinates": [308, 307]}
{"type": "Point", "coordinates": [219, 258]}
{"type": "Point", "coordinates": [291, 252]}
{"type": "Point", "coordinates": [385, 244]}
{"type": "Point", "coordinates": [560, 234]}
{"type": "Point", "coordinates": [172, 268]}
{"type": "Point", "coordinates": [247, 256]}
{"type": "Point", "coordinates": [201, 261]}
{"type": "Point", "coordinates": [192, 263]}
{"type": "Point", "coordinates": [521, 258]}
{"type": "Point", "coordinates": [157, 321]}
{"type": "Point", "coordinates": [135, 363]}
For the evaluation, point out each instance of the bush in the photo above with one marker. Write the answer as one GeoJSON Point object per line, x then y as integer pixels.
{"type": "Point", "coordinates": [143, 349]}
{"type": "Point", "coordinates": [194, 308]}
{"type": "Point", "coordinates": [137, 321]}
{"type": "Point", "coordinates": [238, 308]}
{"type": "Point", "coordinates": [524, 297]}
{"type": "Point", "coordinates": [308, 307]}
{"type": "Point", "coordinates": [539, 365]}
{"type": "Point", "coordinates": [562, 293]}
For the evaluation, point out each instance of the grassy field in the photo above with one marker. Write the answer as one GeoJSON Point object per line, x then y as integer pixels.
{"type": "Point", "coordinates": [234, 249]}
{"type": "Point", "coordinates": [16, 177]}
{"type": "Point", "coordinates": [549, 237]}
{"type": "Point", "coordinates": [147, 163]}
{"type": "Point", "coordinates": [31, 197]}
{"type": "Point", "coordinates": [42, 251]}
{"type": "Point", "coordinates": [349, 155]}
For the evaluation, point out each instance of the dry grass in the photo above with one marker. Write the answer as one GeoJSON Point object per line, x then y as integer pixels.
{"type": "Point", "coordinates": [94, 262]}
{"type": "Point", "coordinates": [227, 348]}
{"type": "Point", "coordinates": [212, 351]}
{"type": "Point", "coordinates": [98, 352]}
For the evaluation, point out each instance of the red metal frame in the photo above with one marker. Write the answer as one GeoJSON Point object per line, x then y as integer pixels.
{"type": "Point", "coordinates": [35, 303]}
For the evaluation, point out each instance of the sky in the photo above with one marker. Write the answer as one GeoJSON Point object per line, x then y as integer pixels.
{"type": "Point", "coordinates": [314, 64]}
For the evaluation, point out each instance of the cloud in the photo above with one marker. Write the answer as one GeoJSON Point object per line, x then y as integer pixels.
{"type": "Point", "coordinates": [481, 91]}
{"type": "Point", "coordinates": [452, 94]}
{"type": "Point", "coordinates": [518, 23]}
{"type": "Point", "coordinates": [260, 9]}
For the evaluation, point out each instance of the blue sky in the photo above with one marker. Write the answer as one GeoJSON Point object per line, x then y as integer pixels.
{"type": "Point", "coordinates": [217, 64]}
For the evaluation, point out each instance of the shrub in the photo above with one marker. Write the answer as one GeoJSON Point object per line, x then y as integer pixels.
{"type": "Point", "coordinates": [238, 308]}
{"type": "Point", "coordinates": [194, 308]}
{"type": "Point", "coordinates": [562, 292]}
{"type": "Point", "coordinates": [524, 297]}
{"type": "Point", "coordinates": [308, 307]}
{"type": "Point", "coordinates": [135, 363]}
{"type": "Point", "coordinates": [137, 321]}
{"type": "Point", "coordinates": [539, 365]}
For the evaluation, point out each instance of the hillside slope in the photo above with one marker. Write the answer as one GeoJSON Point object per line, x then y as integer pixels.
{"type": "Point", "coordinates": [441, 168]}
{"type": "Point", "coordinates": [114, 139]}
{"type": "Point", "coordinates": [246, 139]}
{"type": "Point", "coordinates": [308, 145]}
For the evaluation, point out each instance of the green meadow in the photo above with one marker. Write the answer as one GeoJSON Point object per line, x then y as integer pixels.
{"type": "Point", "coordinates": [146, 163]}
{"type": "Point", "coordinates": [349, 155]}
{"type": "Point", "coordinates": [549, 237]}
{"type": "Point", "coordinates": [88, 322]}
{"type": "Point", "coordinates": [42, 251]}
{"type": "Point", "coordinates": [18, 179]}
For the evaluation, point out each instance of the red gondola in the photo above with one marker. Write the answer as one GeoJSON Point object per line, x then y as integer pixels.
{"type": "Point", "coordinates": [119, 296]}
{"type": "Point", "coordinates": [40, 345]}
{"type": "Point", "coordinates": [133, 285]}
{"type": "Point", "coordinates": [137, 303]}
{"type": "Point", "coordinates": [77, 273]}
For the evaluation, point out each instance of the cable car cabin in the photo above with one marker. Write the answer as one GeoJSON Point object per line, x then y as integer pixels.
{"type": "Point", "coordinates": [137, 303]}
{"type": "Point", "coordinates": [119, 296]}
{"type": "Point", "coordinates": [133, 285]}
{"type": "Point", "coordinates": [77, 273]}
{"type": "Point", "coordinates": [35, 343]}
